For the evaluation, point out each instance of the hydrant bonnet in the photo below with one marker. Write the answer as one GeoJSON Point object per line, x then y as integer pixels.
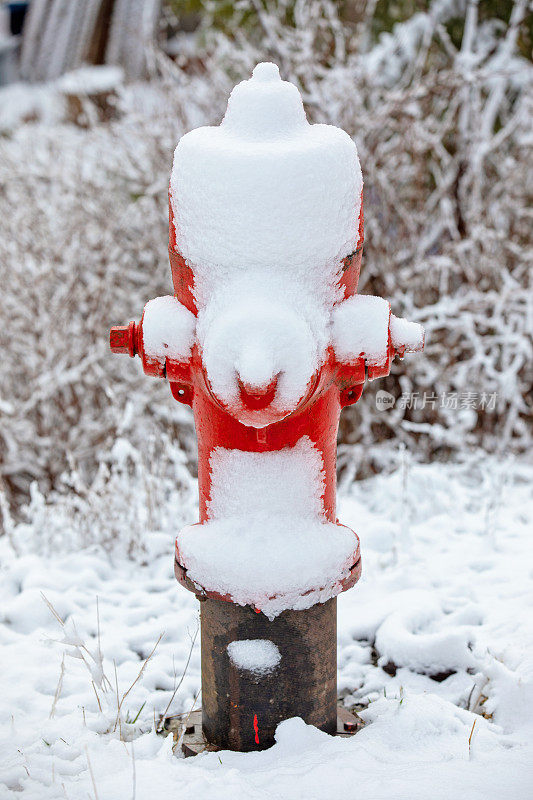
{"type": "Point", "coordinates": [266, 190]}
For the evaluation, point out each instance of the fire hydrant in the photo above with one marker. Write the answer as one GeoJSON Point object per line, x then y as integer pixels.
{"type": "Point", "coordinates": [266, 339]}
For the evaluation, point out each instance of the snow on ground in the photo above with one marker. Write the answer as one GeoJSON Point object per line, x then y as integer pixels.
{"type": "Point", "coordinates": [444, 603]}
{"type": "Point", "coordinates": [92, 80]}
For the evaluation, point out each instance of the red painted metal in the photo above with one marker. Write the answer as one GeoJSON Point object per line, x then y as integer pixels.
{"type": "Point", "coordinates": [258, 427]}
{"type": "Point", "coordinates": [183, 277]}
{"type": "Point", "coordinates": [234, 706]}
{"type": "Point", "coordinates": [183, 578]}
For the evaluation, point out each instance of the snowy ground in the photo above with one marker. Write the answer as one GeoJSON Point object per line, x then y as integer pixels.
{"type": "Point", "coordinates": [446, 592]}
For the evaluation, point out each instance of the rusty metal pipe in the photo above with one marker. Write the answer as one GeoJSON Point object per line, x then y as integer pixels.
{"type": "Point", "coordinates": [241, 710]}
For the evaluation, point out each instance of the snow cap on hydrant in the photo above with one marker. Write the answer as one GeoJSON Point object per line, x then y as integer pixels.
{"type": "Point", "coordinates": [265, 208]}
{"type": "Point", "coordinates": [266, 190]}
{"type": "Point", "coordinates": [266, 339]}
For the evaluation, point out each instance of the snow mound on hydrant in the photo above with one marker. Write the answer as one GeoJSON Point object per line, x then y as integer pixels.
{"type": "Point", "coordinates": [361, 327]}
{"type": "Point", "coordinates": [268, 543]}
{"type": "Point", "coordinates": [405, 333]}
{"type": "Point", "coordinates": [265, 189]}
{"type": "Point", "coordinates": [269, 561]}
{"type": "Point", "coordinates": [266, 207]}
{"type": "Point", "coordinates": [256, 341]}
{"type": "Point", "coordinates": [168, 329]}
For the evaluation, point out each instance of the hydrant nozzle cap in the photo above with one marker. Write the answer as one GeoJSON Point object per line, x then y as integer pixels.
{"type": "Point", "coordinates": [122, 339]}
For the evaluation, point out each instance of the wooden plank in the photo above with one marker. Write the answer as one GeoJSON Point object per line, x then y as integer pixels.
{"type": "Point", "coordinates": [32, 37]}
{"type": "Point", "coordinates": [133, 29]}
{"type": "Point", "coordinates": [151, 12]}
{"type": "Point", "coordinates": [51, 44]}
{"type": "Point", "coordinates": [97, 26]}
{"type": "Point", "coordinates": [70, 27]}
{"type": "Point", "coordinates": [113, 54]}
{"type": "Point", "coordinates": [61, 35]}
{"type": "Point", "coordinates": [132, 56]}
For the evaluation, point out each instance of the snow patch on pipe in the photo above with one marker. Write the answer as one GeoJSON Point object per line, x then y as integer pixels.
{"type": "Point", "coordinates": [258, 656]}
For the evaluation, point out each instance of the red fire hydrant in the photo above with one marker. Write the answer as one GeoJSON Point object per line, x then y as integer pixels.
{"type": "Point", "coordinates": [266, 339]}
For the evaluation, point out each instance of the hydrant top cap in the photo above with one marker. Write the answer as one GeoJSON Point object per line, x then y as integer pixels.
{"type": "Point", "coordinates": [267, 191]}
{"type": "Point", "coordinates": [265, 108]}
{"type": "Point", "coordinates": [266, 71]}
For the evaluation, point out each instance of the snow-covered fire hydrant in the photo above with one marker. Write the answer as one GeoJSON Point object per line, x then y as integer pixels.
{"type": "Point", "coordinates": [266, 339]}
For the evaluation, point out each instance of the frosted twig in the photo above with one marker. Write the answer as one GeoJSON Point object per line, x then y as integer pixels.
{"type": "Point", "coordinates": [134, 774]}
{"type": "Point", "coordinates": [97, 698]}
{"type": "Point", "coordinates": [58, 687]}
{"type": "Point", "coordinates": [52, 610]}
{"type": "Point", "coordinates": [470, 739]}
{"type": "Point", "coordinates": [126, 693]}
{"type": "Point", "coordinates": [118, 719]}
{"type": "Point", "coordinates": [165, 712]}
{"type": "Point", "coordinates": [6, 519]}
{"type": "Point", "coordinates": [91, 774]}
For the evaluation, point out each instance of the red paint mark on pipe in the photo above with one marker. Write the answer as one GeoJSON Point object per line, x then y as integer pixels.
{"type": "Point", "coordinates": [256, 729]}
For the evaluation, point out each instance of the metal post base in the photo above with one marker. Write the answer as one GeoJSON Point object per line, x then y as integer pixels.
{"type": "Point", "coordinates": [241, 709]}
{"type": "Point", "coordinates": [187, 729]}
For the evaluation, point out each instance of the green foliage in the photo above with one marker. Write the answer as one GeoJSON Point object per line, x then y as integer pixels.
{"type": "Point", "coordinates": [229, 15]}
{"type": "Point", "coordinates": [389, 12]}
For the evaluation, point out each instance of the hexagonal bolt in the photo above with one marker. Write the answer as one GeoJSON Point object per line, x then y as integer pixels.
{"type": "Point", "coordinates": [122, 339]}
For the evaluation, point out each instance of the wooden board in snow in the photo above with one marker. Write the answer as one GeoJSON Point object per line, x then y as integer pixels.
{"type": "Point", "coordinates": [61, 35]}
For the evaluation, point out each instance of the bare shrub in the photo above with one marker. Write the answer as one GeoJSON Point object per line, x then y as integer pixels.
{"type": "Point", "coordinates": [441, 110]}
{"type": "Point", "coordinates": [442, 121]}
